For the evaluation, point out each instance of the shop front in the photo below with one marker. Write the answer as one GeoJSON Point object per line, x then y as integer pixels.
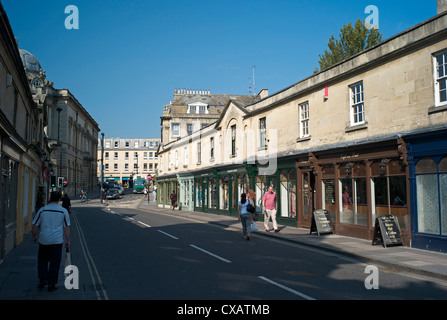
{"type": "Point", "coordinates": [355, 185]}
{"type": "Point", "coordinates": [427, 159]}
{"type": "Point", "coordinates": [166, 186]}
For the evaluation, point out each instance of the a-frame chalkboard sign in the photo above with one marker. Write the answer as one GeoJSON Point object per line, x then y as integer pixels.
{"type": "Point", "coordinates": [321, 222]}
{"type": "Point", "coordinates": [387, 231]}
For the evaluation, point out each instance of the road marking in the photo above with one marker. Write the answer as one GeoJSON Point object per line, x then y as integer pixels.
{"type": "Point", "coordinates": [211, 254]}
{"type": "Point", "coordinates": [167, 234]}
{"type": "Point", "coordinates": [302, 295]}
{"type": "Point", "coordinates": [146, 225]}
{"type": "Point", "coordinates": [99, 288]}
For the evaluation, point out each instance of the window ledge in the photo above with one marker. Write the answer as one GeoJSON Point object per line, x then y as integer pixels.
{"type": "Point", "coordinates": [262, 148]}
{"type": "Point", "coordinates": [302, 139]}
{"type": "Point", "coordinates": [356, 127]}
{"type": "Point", "coordinates": [436, 109]}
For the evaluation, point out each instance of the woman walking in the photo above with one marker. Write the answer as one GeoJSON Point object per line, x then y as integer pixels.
{"type": "Point", "coordinates": [244, 216]}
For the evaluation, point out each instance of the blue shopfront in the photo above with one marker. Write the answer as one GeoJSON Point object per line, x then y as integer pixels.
{"type": "Point", "coordinates": [427, 160]}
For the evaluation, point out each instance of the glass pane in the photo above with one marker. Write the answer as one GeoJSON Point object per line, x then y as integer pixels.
{"type": "Point", "coordinates": [346, 203]}
{"type": "Point", "coordinates": [261, 189]}
{"type": "Point", "coordinates": [292, 198]}
{"type": "Point", "coordinates": [198, 194]}
{"type": "Point", "coordinates": [329, 197]}
{"type": "Point", "coordinates": [443, 186]}
{"type": "Point", "coordinates": [427, 203]}
{"type": "Point", "coordinates": [398, 198]}
{"type": "Point", "coordinates": [306, 198]}
{"type": "Point", "coordinates": [361, 212]}
{"type": "Point", "coordinates": [426, 165]}
{"type": "Point", "coordinates": [284, 194]}
{"type": "Point", "coordinates": [379, 198]}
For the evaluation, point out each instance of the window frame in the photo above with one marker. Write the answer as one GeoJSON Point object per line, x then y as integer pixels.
{"type": "Point", "coordinates": [354, 104]}
{"type": "Point", "coordinates": [438, 79]}
{"type": "Point", "coordinates": [263, 133]}
{"type": "Point", "coordinates": [304, 121]}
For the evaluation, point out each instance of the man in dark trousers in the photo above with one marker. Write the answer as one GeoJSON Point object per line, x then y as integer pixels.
{"type": "Point", "coordinates": [66, 203]}
{"type": "Point", "coordinates": [54, 222]}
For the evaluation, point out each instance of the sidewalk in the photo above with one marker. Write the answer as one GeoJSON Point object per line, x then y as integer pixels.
{"type": "Point", "coordinates": [18, 276]}
{"type": "Point", "coordinates": [398, 258]}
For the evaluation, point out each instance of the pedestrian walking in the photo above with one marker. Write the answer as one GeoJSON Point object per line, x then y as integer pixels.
{"type": "Point", "coordinates": [83, 196]}
{"type": "Point", "coordinates": [244, 216]}
{"type": "Point", "coordinates": [173, 200]}
{"type": "Point", "coordinates": [269, 206]}
{"type": "Point", "coordinates": [66, 202]}
{"type": "Point", "coordinates": [54, 222]}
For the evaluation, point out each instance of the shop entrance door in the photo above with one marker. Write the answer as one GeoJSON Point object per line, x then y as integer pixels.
{"type": "Point", "coordinates": [307, 201]}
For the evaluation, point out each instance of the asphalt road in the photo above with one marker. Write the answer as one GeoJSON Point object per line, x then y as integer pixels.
{"type": "Point", "coordinates": [126, 253]}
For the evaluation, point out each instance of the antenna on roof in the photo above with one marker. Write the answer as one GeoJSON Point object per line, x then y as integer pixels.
{"type": "Point", "coordinates": [254, 85]}
{"type": "Point", "coordinates": [249, 85]}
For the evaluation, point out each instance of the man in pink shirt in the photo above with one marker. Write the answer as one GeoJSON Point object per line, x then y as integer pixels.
{"type": "Point", "coordinates": [269, 205]}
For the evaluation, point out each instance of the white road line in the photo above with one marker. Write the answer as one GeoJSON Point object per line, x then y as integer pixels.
{"type": "Point", "coordinates": [167, 234]}
{"type": "Point", "coordinates": [144, 224]}
{"type": "Point", "coordinates": [302, 295]}
{"type": "Point", "coordinates": [211, 254]}
{"type": "Point", "coordinates": [90, 263]}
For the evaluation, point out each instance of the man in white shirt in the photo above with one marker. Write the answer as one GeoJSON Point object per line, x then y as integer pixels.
{"type": "Point", "coordinates": [54, 222]}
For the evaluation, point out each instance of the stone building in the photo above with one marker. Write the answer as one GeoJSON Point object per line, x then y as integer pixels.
{"type": "Point", "coordinates": [69, 130]}
{"type": "Point", "coordinates": [364, 138]}
{"type": "Point", "coordinates": [22, 144]}
{"type": "Point", "coordinates": [189, 113]}
{"type": "Point", "coordinates": [127, 158]}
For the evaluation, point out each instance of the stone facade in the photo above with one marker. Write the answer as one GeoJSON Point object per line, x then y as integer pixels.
{"type": "Point", "coordinates": [335, 140]}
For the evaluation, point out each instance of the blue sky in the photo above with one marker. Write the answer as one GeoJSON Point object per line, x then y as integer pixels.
{"type": "Point", "coordinates": [127, 57]}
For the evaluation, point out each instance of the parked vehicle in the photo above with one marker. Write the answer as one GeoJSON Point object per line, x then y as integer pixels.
{"type": "Point", "coordinates": [113, 193]}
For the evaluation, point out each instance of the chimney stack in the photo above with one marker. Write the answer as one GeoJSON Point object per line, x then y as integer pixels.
{"type": "Point", "coordinates": [442, 6]}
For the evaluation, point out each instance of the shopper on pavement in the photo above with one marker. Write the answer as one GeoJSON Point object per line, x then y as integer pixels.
{"type": "Point", "coordinates": [269, 205]}
{"type": "Point", "coordinates": [244, 216]}
{"type": "Point", "coordinates": [54, 222]}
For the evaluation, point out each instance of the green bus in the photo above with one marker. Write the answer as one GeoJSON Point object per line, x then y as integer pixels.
{"type": "Point", "coordinates": [138, 185]}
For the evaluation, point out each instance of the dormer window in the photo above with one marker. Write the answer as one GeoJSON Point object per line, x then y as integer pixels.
{"type": "Point", "coordinates": [37, 83]}
{"type": "Point", "coordinates": [197, 108]}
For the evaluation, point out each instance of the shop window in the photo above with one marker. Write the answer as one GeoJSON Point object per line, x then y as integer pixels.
{"type": "Point", "coordinates": [288, 193]}
{"type": "Point", "coordinates": [242, 185]}
{"type": "Point", "coordinates": [329, 197]}
{"type": "Point", "coordinates": [198, 193]}
{"type": "Point", "coordinates": [352, 197]}
{"type": "Point", "coordinates": [260, 189]}
{"type": "Point", "coordinates": [389, 191]}
{"type": "Point", "coordinates": [224, 193]}
{"type": "Point", "coordinates": [431, 196]}
{"type": "Point", "coordinates": [212, 187]}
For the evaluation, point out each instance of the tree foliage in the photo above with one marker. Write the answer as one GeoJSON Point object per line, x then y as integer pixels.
{"type": "Point", "coordinates": [352, 40]}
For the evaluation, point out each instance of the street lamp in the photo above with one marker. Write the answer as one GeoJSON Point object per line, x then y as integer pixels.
{"type": "Point", "coordinates": [59, 109]}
